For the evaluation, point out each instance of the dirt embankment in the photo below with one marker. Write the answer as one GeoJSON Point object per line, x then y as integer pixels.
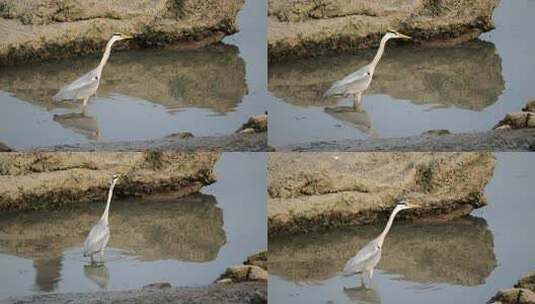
{"type": "Point", "coordinates": [42, 29]}
{"type": "Point", "coordinates": [316, 191]}
{"type": "Point", "coordinates": [238, 293]}
{"type": "Point", "coordinates": [299, 28]}
{"type": "Point", "coordinates": [42, 180]}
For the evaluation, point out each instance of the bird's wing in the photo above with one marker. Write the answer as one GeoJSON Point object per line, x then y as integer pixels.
{"type": "Point", "coordinates": [363, 259]}
{"type": "Point", "coordinates": [84, 85]}
{"type": "Point", "coordinates": [97, 239]}
{"type": "Point", "coordinates": [359, 76]}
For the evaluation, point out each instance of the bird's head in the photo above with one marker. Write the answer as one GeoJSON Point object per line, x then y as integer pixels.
{"type": "Point", "coordinates": [406, 204]}
{"type": "Point", "coordinates": [115, 178]}
{"type": "Point", "coordinates": [391, 34]}
{"type": "Point", "coordinates": [120, 36]}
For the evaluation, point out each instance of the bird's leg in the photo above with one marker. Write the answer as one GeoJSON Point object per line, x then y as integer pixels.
{"type": "Point", "coordinates": [102, 256]}
{"type": "Point", "coordinates": [92, 259]}
{"type": "Point", "coordinates": [356, 102]}
{"type": "Point", "coordinates": [84, 105]}
{"type": "Point", "coordinates": [362, 283]}
{"type": "Point", "coordinates": [371, 276]}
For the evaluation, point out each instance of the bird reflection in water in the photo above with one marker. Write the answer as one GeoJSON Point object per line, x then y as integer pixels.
{"type": "Point", "coordinates": [98, 274]}
{"type": "Point", "coordinates": [80, 123]}
{"type": "Point", "coordinates": [362, 295]}
{"type": "Point", "coordinates": [353, 116]}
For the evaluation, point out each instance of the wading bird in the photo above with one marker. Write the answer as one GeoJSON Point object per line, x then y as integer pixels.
{"type": "Point", "coordinates": [100, 233]}
{"type": "Point", "coordinates": [86, 86]}
{"type": "Point", "coordinates": [369, 256]}
{"type": "Point", "coordinates": [359, 81]}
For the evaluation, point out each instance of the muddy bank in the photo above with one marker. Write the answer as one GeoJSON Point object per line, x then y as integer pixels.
{"type": "Point", "coordinates": [309, 28]}
{"type": "Point", "coordinates": [42, 29]}
{"type": "Point", "coordinates": [246, 293]}
{"type": "Point", "coordinates": [449, 77]}
{"type": "Point", "coordinates": [254, 142]}
{"type": "Point", "coordinates": [522, 293]}
{"type": "Point", "coordinates": [316, 191]}
{"type": "Point", "coordinates": [46, 180]}
{"type": "Point", "coordinates": [445, 249]}
{"type": "Point", "coordinates": [495, 140]}
{"type": "Point", "coordinates": [211, 78]}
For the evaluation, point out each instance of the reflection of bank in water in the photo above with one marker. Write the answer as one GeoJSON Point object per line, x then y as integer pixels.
{"type": "Point", "coordinates": [211, 77]}
{"type": "Point", "coordinates": [467, 76]}
{"type": "Point", "coordinates": [155, 228]}
{"type": "Point", "coordinates": [423, 253]}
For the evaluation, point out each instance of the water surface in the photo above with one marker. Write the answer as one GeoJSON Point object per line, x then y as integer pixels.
{"type": "Point", "coordinates": [186, 242]}
{"type": "Point", "coordinates": [465, 88]}
{"type": "Point", "coordinates": [144, 94]}
{"type": "Point", "coordinates": [462, 261]}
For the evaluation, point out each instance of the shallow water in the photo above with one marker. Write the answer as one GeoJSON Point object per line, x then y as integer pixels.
{"type": "Point", "coordinates": [144, 94]}
{"type": "Point", "coordinates": [461, 261]}
{"type": "Point", "coordinates": [465, 88]}
{"type": "Point", "coordinates": [185, 242]}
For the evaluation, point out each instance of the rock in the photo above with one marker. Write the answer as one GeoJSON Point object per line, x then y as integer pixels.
{"type": "Point", "coordinates": [527, 282]}
{"type": "Point", "coordinates": [4, 148]}
{"type": "Point", "coordinates": [530, 107]}
{"type": "Point", "coordinates": [260, 259]}
{"type": "Point", "coordinates": [180, 135]}
{"type": "Point", "coordinates": [312, 191]}
{"type": "Point", "coordinates": [259, 298]}
{"type": "Point", "coordinates": [305, 28]}
{"type": "Point", "coordinates": [517, 120]}
{"type": "Point", "coordinates": [44, 180]}
{"type": "Point", "coordinates": [514, 296]}
{"type": "Point", "coordinates": [243, 273]}
{"type": "Point", "coordinates": [159, 285]}
{"type": "Point", "coordinates": [62, 28]}
{"type": "Point", "coordinates": [439, 132]}
{"type": "Point", "coordinates": [257, 123]}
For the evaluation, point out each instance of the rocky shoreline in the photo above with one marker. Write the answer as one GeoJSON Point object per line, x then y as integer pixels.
{"type": "Point", "coordinates": [496, 140]}
{"type": "Point", "coordinates": [313, 28]}
{"type": "Point", "coordinates": [245, 292]}
{"type": "Point", "coordinates": [59, 29]}
{"type": "Point", "coordinates": [30, 181]}
{"type": "Point", "coordinates": [313, 191]}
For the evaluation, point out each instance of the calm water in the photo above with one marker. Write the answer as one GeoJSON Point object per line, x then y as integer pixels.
{"type": "Point", "coordinates": [185, 242]}
{"type": "Point", "coordinates": [463, 89]}
{"type": "Point", "coordinates": [145, 94]}
{"type": "Point", "coordinates": [461, 261]}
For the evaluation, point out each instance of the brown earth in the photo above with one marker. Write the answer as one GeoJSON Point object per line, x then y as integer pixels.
{"type": "Point", "coordinates": [299, 28]}
{"type": "Point", "coordinates": [44, 180]}
{"type": "Point", "coordinates": [42, 29]}
{"type": "Point", "coordinates": [314, 191]}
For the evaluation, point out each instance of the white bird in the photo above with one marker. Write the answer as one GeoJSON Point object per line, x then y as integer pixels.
{"type": "Point", "coordinates": [359, 81]}
{"type": "Point", "coordinates": [86, 86]}
{"type": "Point", "coordinates": [100, 233]}
{"type": "Point", "coordinates": [369, 256]}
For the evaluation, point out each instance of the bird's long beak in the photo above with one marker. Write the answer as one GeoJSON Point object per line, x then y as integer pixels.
{"type": "Point", "coordinates": [127, 36]}
{"type": "Point", "coordinates": [413, 205]}
{"type": "Point", "coordinates": [404, 36]}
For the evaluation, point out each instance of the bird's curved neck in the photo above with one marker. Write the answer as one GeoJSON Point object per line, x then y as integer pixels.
{"type": "Point", "coordinates": [104, 217]}
{"type": "Point", "coordinates": [106, 55]}
{"type": "Point", "coordinates": [388, 225]}
{"type": "Point", "coordinates": [380, 52]}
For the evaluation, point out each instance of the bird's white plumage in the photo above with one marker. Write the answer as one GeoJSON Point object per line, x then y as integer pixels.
{"type": "Point", "coordinates": [97, 239]}
{"type": "Point", "coordinates": [353, 83]}
{"type": "Point", "coordinates": [83, 87]}
{"type": "Point", "coordinates": [367, 258]}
